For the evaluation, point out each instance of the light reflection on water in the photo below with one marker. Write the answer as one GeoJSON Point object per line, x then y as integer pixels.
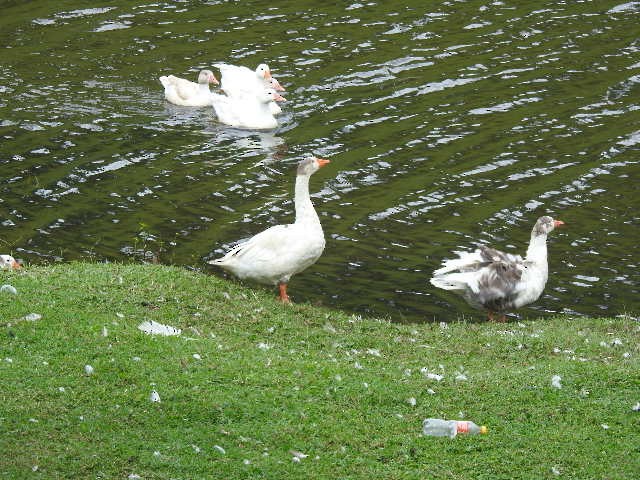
{"type": "Point", "coordinates": [446, 129]}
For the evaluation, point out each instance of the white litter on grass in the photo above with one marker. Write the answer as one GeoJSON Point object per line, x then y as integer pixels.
{"type": "Point", "coordinates": [412, 401]}
{"type": "Point", "coordinates": [461, 377]}
{"type": "Point", "coordinates": [154, 397]}
{"type": "Point", "coordinates": [88, 369]}
{"type": "Point", "coordinates": [220, 449]}
{"type": "Point", "coordinates": [357, 366]}
{"type": "Point", "coordinates": [298, 456]}
{"type": "Point", "coordinates": [134, 476]}
{"type": "Point", "coordinates": [246, 462]}
{"type": "Point", "coordinates": [32, 317]}
{"type": "Point", "coordinates": [61, 389]}
{"type": "Point", "coordinates": [9, 289]}
{"type": "Point", "coordinates": [156, 453]}
{"type": "Point", "coordinates": [434, 376]}
{"type": "Point", "coordinates": [636, 407]}
{"type": "Point", "coordinates": [264, 346]}
{"type": "Point", "coordinates": [374, 351]}
{"type": "Point", "coordinates": [430, 391]}
{"type": "Point", "coordinates": [604, 426]}
{"type": "Point", "coordinates": [136, 359]}
{"type": "Point", "coordinates": [119, 315]}
{"type": "Point", "coordinates": [196, 448]}
{"type": "Point", "coordinates": [555, 471]}
{"type": "Point", "coordinates": [8, 360]}
{"type": "Point", "coordinates": [197, 356]}
{"type": "Point", "coordinates": [555, 381]}
{"type": "Point", "coordinates": [34, 468]}
{"type": "Point", "coordinates": [105, 333]}
{"type": "Point", "coordinates": [155, 328]}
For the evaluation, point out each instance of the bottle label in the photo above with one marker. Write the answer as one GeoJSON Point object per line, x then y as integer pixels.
{"type": "Point", "coordinates": [463, 427]}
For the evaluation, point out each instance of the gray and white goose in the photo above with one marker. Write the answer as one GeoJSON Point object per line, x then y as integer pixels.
{"type": "Point", "coordinates": [496, 281]}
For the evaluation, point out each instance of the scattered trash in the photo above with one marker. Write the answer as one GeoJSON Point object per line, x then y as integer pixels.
{"type": "Point", "coordinates": [636, 407]}
{"type": "Point", "coordinates": [88, 369]}
{"type": "Point", "coordinates": [604, 426]}
{"type": "Point", "coordinates": [156, 453]}
{"type": "Point", "coordinates": [105, 333]}
{"type": "Point", "coordinates": [434, 376]}
{"type": "Point", "coordinates": [197, 356]}
{"type": "Point", "coordinates": [555, 471]}
{"type": "Point", "coordinates": [220, 449]}
{"type": "Point", "coordinates": [412, 401]}
{"type": "Point", "coordinates": [8, 360]}
{"type": "Point", "coordinates": [298, 456]}
{"type": "Point", "coordinates": [155, 328]}
{"type": "Point", "coordinates": [9, 289]}
{"type": "Point", "coordinates": [134, 476]}
{"type": "Point", "coordinates": [32, 317]}
{"type": "Point", "coordinates": [436, 427]}
{"type": "Point", "coordinates": [154, 397]}
{"type": "Point", "coordinates": [264, 346]}
{"type": "Point", "coordinates": [61, 389]}
{"type": "Point", "coordinates": [555, 381]}
{"type": "Point", "coordinates": [196, 448]}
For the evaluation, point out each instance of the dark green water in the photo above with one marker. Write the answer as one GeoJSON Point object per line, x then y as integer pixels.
{"type": "Point", "coordinates": [447, 124]}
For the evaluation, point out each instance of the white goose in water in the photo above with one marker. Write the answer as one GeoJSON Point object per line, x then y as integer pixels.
{"type": "Point", "coordinates": [498, 281]}
{"type": "Point", "coordinates": [8, 262]}
{"type": "Point", "coordinates": [247, 111]}
{"type": "Point", "coordinates": [186, 93]}
{"type": "Point", "coordinates": [274, 255]}
{"type": "Point", "coordinates": [241, 81]}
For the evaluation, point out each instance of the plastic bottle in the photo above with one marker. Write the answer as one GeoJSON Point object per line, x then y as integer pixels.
{"type": "Point", "coordinates": [436, 427]}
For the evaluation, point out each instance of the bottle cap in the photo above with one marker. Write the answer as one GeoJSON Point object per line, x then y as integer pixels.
{"type": "Point", "coordinates": [483, 429]}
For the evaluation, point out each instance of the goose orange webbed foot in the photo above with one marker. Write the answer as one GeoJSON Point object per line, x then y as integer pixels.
{"type": "Point", "coordinates": [284, 298]}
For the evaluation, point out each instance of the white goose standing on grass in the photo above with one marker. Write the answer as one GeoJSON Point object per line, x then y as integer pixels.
{"type": "Point", "coordinates": [238, 81]}
{"type": "Point", "coordinates": [186, 93]}
{"type": "Point", "coordinates": [496, 281]}
{"type": "Point", "coordinates": [274, 255]}
{"type": "Point", "coordinates": [250, 111]}
{"type": "Point", "coordinates": [8, 262]}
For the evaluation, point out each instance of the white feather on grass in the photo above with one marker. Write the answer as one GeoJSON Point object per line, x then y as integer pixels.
{"type": "Point", "coordinates": [155, 328]}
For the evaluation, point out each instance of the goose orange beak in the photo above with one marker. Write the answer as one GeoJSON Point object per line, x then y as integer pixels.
{"type": "Point", "coordinates": [214, 80]}
{"type": "Point", "coordinates": [557, 223]}
{"type": "Point", "coordinates": [322, 161]}
{"type": "Point", "coordinates": [279, 98]}
{"type": "Point", "coordinates": [276, 85]}
{"type": "Point", "coordinates": [15, 265]}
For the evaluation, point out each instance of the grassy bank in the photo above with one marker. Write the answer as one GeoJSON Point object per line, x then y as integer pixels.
{"type": "Point", "coordinates": [270, 382]}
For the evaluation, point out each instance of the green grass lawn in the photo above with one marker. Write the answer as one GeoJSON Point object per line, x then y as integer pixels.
{"type": "Point", "coordinates": [250, 381]}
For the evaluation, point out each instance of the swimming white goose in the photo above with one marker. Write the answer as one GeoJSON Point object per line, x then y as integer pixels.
{"type": "Point", "coordinates": [238, 81]}
{"type": "Point", "coordinates": [8, 262]}
{"type": "Point", "coordinates": [274, 255]}
{"type": "Point", "coordinates": [186, 93]}
{"type": "Point", "coordinates": [247, 111]}
{"type": "Point", "coordinates": [498, 281]}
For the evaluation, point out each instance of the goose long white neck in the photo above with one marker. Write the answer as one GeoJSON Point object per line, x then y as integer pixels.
{"type": "Point", "coordinates": [537, 251]}
{"type": "Point", "coordinates": [305, 213]}
{"type": "Point", "coordinates": [203, 89]}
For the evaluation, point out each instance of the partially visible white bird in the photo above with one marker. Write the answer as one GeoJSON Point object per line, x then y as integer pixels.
{"type": "Point", "coordinates": [186, 93]}
{"type": "Point", "coordinates": [274, 255]}
{"type": "Point", "coordinates": [238, 81]}
{"type": "Point", "coordinates": [8, 262]}
{"type": "Point", "coordinates": [496, 281]}
{"type": "Point", "coordinates": [249, 111]}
